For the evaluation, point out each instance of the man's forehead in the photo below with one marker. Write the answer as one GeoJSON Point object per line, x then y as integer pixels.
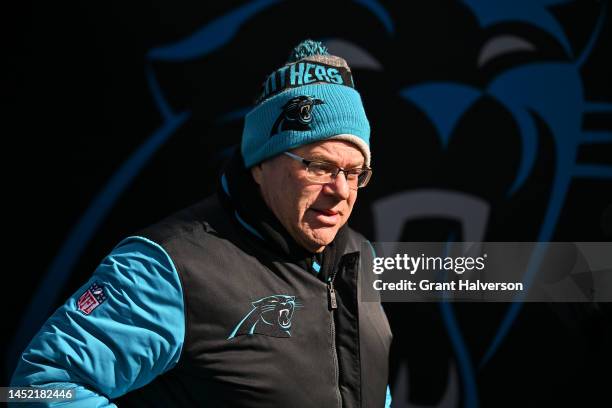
{"type": "Point", "coordinates": [332, 151]}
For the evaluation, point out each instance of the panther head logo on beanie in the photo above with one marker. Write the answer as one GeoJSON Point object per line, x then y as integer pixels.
{"type": "Point", "coordinates": [296, 115]}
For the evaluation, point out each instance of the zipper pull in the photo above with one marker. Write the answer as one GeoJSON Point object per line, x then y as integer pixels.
{"type": "Point", "coordinates": [332, 296]}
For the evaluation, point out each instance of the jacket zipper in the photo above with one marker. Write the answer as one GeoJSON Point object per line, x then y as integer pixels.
{"type": "Point", "coordinates": [333, 305]}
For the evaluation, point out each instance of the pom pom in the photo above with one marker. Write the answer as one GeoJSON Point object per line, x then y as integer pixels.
{"type": "Point", "coordinates": [307, 48]}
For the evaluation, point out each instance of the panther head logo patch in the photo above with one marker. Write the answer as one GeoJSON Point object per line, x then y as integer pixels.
{"type": "Point", "coordinates": [296, 114]}
{"type": "Point", "coordinates": [271, 316]}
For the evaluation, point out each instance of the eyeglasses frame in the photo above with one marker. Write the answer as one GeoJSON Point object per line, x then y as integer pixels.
{"type": "Point", "coordinates": [307, 163]}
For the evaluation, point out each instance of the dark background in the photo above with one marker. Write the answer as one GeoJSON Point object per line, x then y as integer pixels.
{"type": "Point", "coordinates": [92, 155]}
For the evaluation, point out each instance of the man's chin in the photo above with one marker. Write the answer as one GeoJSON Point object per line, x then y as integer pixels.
{"type": "Point", "coordinates": [323, 236]}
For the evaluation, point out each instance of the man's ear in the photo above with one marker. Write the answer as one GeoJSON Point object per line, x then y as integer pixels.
{"type": "Point", "coordinates": [256, 172]}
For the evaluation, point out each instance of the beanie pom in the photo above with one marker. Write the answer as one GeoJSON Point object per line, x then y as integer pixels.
{"type": "Point", "coordinates": [307, 48]}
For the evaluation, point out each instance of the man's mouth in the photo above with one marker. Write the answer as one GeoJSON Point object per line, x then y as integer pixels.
{"type": "Point", "coordinates": [325, 216]}
{"type": "Point", "coordinates": [327, 212]}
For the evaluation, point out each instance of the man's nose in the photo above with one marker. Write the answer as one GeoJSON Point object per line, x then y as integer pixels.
{"type": "Point", "coordinates": [339, 186]}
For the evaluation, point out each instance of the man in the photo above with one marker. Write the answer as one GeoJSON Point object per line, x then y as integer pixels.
{"type": "Point", "coordinates": [250, 298]}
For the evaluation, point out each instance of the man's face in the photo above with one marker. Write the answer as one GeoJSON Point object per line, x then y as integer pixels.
{"type": "Point", "coordinates": [311, 213]}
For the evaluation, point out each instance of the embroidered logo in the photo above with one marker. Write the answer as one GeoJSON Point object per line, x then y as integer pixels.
{"type": "Point", "coordinates": [271, 316]}
{"type": "Point", "coordinates": [93, 297]}
{"type": "Point", "coordinates": [296, 115]}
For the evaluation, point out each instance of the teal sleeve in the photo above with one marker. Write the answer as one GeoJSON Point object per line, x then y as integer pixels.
{"type": "Point", "coordinates": [135, 334]}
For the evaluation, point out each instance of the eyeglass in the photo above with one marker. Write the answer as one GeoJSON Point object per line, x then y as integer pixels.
{"type": "Point", "coordinates": [322, 172]}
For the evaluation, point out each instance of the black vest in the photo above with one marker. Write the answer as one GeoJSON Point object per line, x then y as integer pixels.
{"type": "Point", "coordinates": [260, 330]}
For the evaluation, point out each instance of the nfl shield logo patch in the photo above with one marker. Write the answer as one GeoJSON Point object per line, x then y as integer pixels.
{"type": "Point", "coordinates": [92, 298]}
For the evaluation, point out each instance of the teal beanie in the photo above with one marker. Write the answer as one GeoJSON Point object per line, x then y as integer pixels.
{"type": "Point", "coordinates": [311, 98]}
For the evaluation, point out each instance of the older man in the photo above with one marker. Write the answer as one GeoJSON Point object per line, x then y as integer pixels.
{"type": "Point", "coordinates": [250, 298]}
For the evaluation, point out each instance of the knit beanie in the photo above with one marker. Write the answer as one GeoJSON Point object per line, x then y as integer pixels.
{"type": "Point", "coordinates": [311, 98]}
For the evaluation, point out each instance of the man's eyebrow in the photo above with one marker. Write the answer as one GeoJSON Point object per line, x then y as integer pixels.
{"type": "Point", "coordinates": [319, 158]}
